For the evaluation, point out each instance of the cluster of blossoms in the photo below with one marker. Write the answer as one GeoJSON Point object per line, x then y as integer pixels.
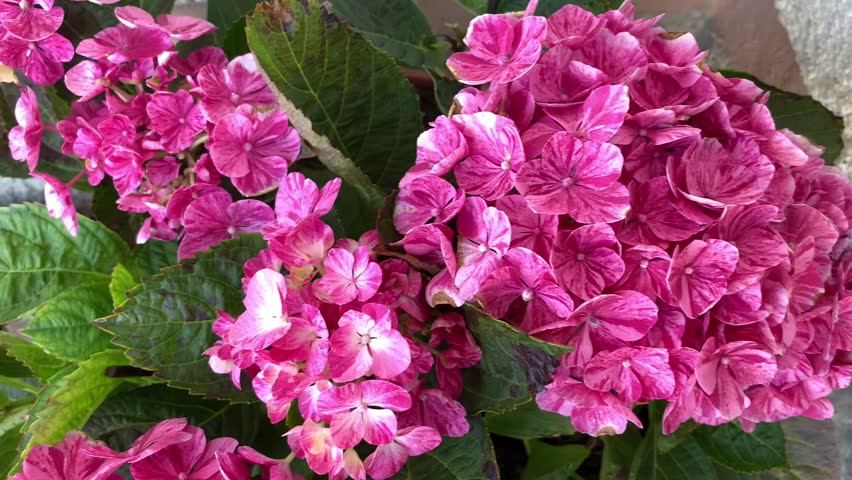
{"type": "Point", "coordinates": [614, 194]}
{"type": "Point", "coordinates": [349, 338]}
{"type": "Point", "coordinates": [166, 130]}
{"type": "Point", "coordinates": [171, 450]}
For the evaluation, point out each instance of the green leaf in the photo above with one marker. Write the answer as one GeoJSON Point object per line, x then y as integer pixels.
{"type": "Point", "coordinates": [803, 115]}
{"type": "Point", "coordinates": [39, 362]}
{"type": "Point", "coordinates": [729, 445]}
{"type": "Point", "coordinates": [69, 400]}
{"type": "Point", "coordinates": [39, 259]}
{"type": "Point", "coordinates": [154, 255]}
{"type": "Point", "coordinates": [618, 453]}
{"type": "Point", "coordinates": [685, 460]}
{"type": "Point", "coordinates": [10, 425]}
{"type": "Point", "coordinates": [122, 281]}
{"type": "Point", "coordinates": [166, 324]}
{"type": "Point", "coordinates": [396, 26]}
{"type": "Point", "coordinates": [445, 90]}
{"type": "Point", "coordinates": [553, 462]}
{"type": "Point", "coordinates": [513, 366]}
{"type": "Point", "coordinates": [348, 100]}
{"type": "Point", "coordinates": [470, 457]}
{"type": "Point", "coordinates": [528, 422]}
{"type": "Point", "coordinates": [227, 15]}
{"type": "Point", "coordinates": [63, 325]}
{"type": "Point", "coordinates": [545, 7]}
{"type": "Point", "coordinates": [123, 417]}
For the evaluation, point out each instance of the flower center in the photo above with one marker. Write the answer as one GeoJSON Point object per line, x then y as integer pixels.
{"type": "Point", "coordinates": [689, 270]}
{"type": "Point", "coordinates": [527, 295]}
{"type": "Point", "coordinates": [580, 257]}
{"type": "Point", "coordinates": [247, 147]}
{"type": "Point", "coordinates": [643, 264]}
{"type": "Point", "coordinates": [642, 218]}
{"type": "Point", "coordinates": [232, 230]}
{"type": "Point", "coordinates": [593, 322]}
{"type": "Point", "coordinates": [567, 182]}
{"type": "Point", "coordinates": [483, 249]}
{"type": "Point", "coordinates": [506, 165]}
{"type": "Point", "coordinates": [725, 361]}
{"type": "Point", "coordinates": [625, 364]}
{"type": "Point", "coordinates": [643, 132]}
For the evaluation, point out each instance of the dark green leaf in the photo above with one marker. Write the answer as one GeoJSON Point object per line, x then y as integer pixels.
{"type": "Point", "coordinates": [686, 460]}
{"type": "Point", "coordinates": [166, 324]}
{"type": "Point", "coordinates": [69, 400]}
{"type": "Point", "coordinates": [527, 422]}
{"type": "Point", "coordinates": [470, 457]}
{"type": "Point", "coordinates": [39, 362]}
{"type": "Point", "coordinates": [39, 259]}
{"type": "Point", "coordinates": [445, 91]}
{"type": "Point", "coordinates": [234, 40]}
{"type": "Point", "coordinates": [123, 417]}
{"type": "Point", "coordinates": [553, 462]}
{"type": "Point", "coordinates": [227, 14]}
{"type": "Point", "coordinates": [618, 453]}
{"type": "Point", "coordinates": [802, 115]}
{"type": "Point", "coordinates": [10, 434]}
{"type": "Point", "coordinates": [545, 7]}
{"type": "Point", "coordinates": [729, 445]}
{"type": "Point", "coordinates": [348, 100]}
{"type": "Point", "coordinates": [513, 366]}
{"type": "Point", "coordinates": [397, 27]}
{"type": "Point", "coordinates": [154, 255]}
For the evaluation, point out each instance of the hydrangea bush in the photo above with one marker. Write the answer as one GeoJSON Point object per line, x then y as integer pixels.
{"type": "Point", "coordinates": [575, 250]}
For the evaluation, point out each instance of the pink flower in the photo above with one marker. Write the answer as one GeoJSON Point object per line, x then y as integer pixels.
{"type": "Point", "coordinates": [68, 460]}
{"type": "Point", "coordinates": [88, 79]}
{"type": "Point", "coordinates": [715, 176]}
{"type": "Point", "coordinates": [618, 55]}
{"type": "Point", "coordinates": [572, 26]}
{"type": "Point", "coordinates": [495, 154]}
{"type": "Point", "coordinates": [57, 199]}
{"type": "Point", "coordinates": [26, 21]}
{"type": "Point", "coordinates": [254, 150]}
{"type": "Point", "coordinates": [178, 27]}
{"type": "Point", "coordinates": [125, 167]}
{"type": "Point", "coordinates": [160, 436]}
{"type": "Point", "coordinates": [307, 340]}
{"type": "Point", "coordinates": [121, 44]}
{"type": "Point", "coordinates": [177, 119]}
{"type": "Point", "coordinates": [725, 371]}
{"type": "Point", "coordinates": [592, 412]}
{"type": "Point", "coordinates": [485, 234]}
{"type": "Point", "coordinates": [367, 343]}
{"type": "Point", "coordinates": [645, 270]}
{"type": "Point", "coordinates": [653, 217]}
{"type": "Point", "coordinates": [600, 117]}
{"type": "Point", "coordinates": [455, 349]}
{"type": "Point", "coordinates": [439, 149]}
{"type": "Point", "coordinates": [587, 260]}
{"type": "Point", "coordinates": [388, 459]}
{"type": "Point", "coordinates": [363, 411]}
{"type": "Point", "coordinates": [273, 469]}
{"type": "Point", "coordinates": [525, 289]}
{"type": "Point", "coordinates": [426, 199]}
{"type": "Point", "coordinates": [760, 247]}
{"type": "Point", "coordinates": [699, 274]}
{"type": "Point", "coordinates": [633, 373]}
{"type": "Point", "coordinates": [306, 245]}
{"type": "Point", "coordinates": [348, 277]}
{"type": "Point", "coordinates": [25, 138]}
{"type": "Point", "coordinates": [41, 60]}
{"type": "Point", "coordinates": [530, 230]}
{"type": "Point", "coordinates": [299, 198]}
{"type": "Point", "coordinates": [265, 319]}
{"type": "Point", "coordinates": [576, 178]}
{"type": "Point", "coordinates": [313, 442]}
{"type": "Point", "coordinates": [225, 89]}
{"type": "Point", "coordinates": [502, 48]}
{"type": "Point", "coordinates": [214, 217]}
{"type": "Point", "coordinates": [435, 409]}
{"type": "Point", "coordinates": [192, 459]}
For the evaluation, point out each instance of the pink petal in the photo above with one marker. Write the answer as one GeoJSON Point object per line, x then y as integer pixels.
{"type": "Point", "coordinates": [699, 274]}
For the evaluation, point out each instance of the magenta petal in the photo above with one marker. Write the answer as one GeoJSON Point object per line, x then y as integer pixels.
{"type": "Point", "coordinates": [603, 113]}
{"type": "Point", "coordinates": [699, 274]}
{"type": "Point", "coordinates": [57, 199]}
{"type": "Point", "coordinates": [426, 199]}
{"type": "Point", "coordinates": [625, 315]}
{"type": "Point", "coordinates": [184, 27]}
{"type": "Point", "coordinates": [586, 261]}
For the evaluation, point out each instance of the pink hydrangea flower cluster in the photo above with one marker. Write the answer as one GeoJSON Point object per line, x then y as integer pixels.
{"type": "Point", "coordinates": [166, 130]}
{"type": "Point", "coordinates": [611, 192]}
{"type": "Point", "coordinates": [171, 449]}
{"type": "Point", "coordinates": [347, 337]}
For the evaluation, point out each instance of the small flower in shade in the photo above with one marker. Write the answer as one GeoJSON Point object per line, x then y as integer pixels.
{"type": "Point", "coordinates": [699, 274]}
{"type": "Point", "coordinates": [68, 460]}
{"type": "Point", "coordinates": [88, 79]}
{"type": "Point", "coordinates": [576, 178]}
{"type": "Point", "coordinates": [455, 349]}
{"type": "Point", "coordinates": [192, 459]}
{"type": "Point", "coordinates": [495, 154]}
{"type": "Point", "coordinates": [231, 467]}
{"type": "Point", "coordinates": [633, 373]}
{"type": "Point", "coordinates": [530, 230]}
{"type": "Point", "coordinates": [307, 340]}
{"type": "Point", "coordinates": [388, 459]}
{"type": "Point", "coordinates": [41, 60]}
{"type": "Point", "coordinates": [312, 441]}
{"type": "Point", "coordinates": [177, 119]}
{"type": "Point", "coordinates": [160, 436]}
{"type": "Point", "coordinates": [177, 26]}
{"type": "Point", "coordinates": [254, 149]}
{"type": "Point", "coordinates": [366, 343]}
{"type": "Point", "coordinates": [57, 199]}
{"type": "Point", "coordinates": [25, 138]}
{"type": "Point", "coordinates": [348, 276]}
{"type": "Point", "coordinates": [265, 319]}
{"type": "Point", "coordinates": [524, 291]}
{"type": "Point", "coordinates": [214, 217]}
{"type": "Point", "coordinates": [125, 167]}
{"type": "Point", "coordinates": [645, 270]}
{"type": "Point", "coordinates": [587, 260]}
{"type": "Point", "coordinates": [426, 199]}
{"type": "Point", "coordinates": [363, 411]}
{"type": "Point", "coordinates": [653, 217]}
{"type": "Point", "coordinates": [725, 371]}
{"type": "Point", "coordinates": [273, 469]}
{"type": "Point", "coordinates": [122, 44]}
{"type": "Point", "coordinates": [225, 89]}
{"type": "Point", "coordinates": [502, 48]}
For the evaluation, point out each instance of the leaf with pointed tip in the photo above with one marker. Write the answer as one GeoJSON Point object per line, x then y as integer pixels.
{"type": "Point", "coordinates": [729, 445]}
{"type": "Point", "coordinates": [166, 324]}
{"type": "Point", "coordinates": [122, 281]}
{"type": "Point", "coordinates": [32, 356]}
